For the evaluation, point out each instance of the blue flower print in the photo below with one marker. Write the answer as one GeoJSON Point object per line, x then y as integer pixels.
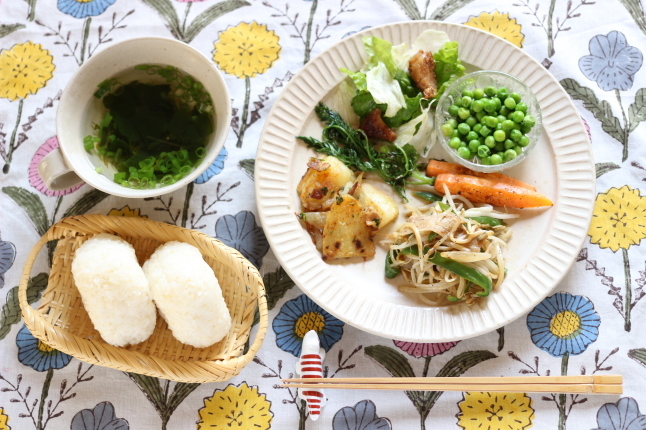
{"type": "Point", "coordinates": [215, 168]}
{"type": "Point", "coordinates": [300, 315]}
{"type": "Point", "coordinates": [242, 233]}
{"type": "Point", "coordinates": [37, 355]}
{"type": "Point", "coordinates": [623, 415]}
{"type": "Point", "coordinates": [612, 63]}
{"type": "Point", "coordinates": [563, 324]}
{"type": "Point", "coordinates": [83, 8]}
{"type": "Point", "coordinates": [363, 416]}
{"type": "Point", "coordinates": [7, 257]}
{"type": "Point", "coordinates": [102, 417]}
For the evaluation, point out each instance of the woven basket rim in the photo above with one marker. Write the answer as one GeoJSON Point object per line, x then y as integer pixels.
{"type": "Point", "coordinates": [190, 371]}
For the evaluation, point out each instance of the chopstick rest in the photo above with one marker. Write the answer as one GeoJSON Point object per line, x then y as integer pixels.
{"type": "Point", "coordinates": [310, 367]}
{"type": "Point", "coordinates": [592, 384]}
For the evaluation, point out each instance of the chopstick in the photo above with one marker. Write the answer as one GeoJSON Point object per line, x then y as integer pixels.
{"type": "Point", "coordinates": [586, 384]}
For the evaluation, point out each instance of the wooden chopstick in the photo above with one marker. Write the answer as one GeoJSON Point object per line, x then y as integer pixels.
{"type": "Point", "coordinates": [592, 384]}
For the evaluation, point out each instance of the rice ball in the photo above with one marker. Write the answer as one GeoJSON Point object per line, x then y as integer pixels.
{"type": "Point", "coordinates": [187, 294]}
{"type": "Point", "coordinates": [114, 290]}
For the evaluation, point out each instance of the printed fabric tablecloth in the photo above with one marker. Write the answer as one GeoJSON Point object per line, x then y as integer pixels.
{"type": "Point", "coordinates": [590, 324]}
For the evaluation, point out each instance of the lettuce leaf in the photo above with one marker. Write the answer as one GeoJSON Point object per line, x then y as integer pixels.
{"type": "Point", "coordinates": [417, 132]}
{"type": "Point", "coordinates": [359, 78]}
{"type": "Point", "coordinates": [363, 103]}
{"type": "Point", "coordinates": [385, 89]}
{"type": "Point", "coordinates": [430, 41]}
{"type": "Point", "coordinates": [407, 113]}
{"type": "Point", "coordinates": [380, 51]}
{"type": "Point", "coordinates": [448, 67]}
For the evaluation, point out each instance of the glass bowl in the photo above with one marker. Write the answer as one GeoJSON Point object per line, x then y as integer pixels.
{"type": "Point", "coordinates": [483, 79]}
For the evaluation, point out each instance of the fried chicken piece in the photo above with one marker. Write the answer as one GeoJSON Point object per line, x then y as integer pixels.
{"type": "Point", "coordinates": [375, 127]}
{"type": "Point", "coordinates": [422, 69]}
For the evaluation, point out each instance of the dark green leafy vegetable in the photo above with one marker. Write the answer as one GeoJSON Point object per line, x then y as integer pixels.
{"type": "Point", "coordinates": [392, 163]}
{"type": "Point", "coordinates": [391, 271]}
{"type": "Point", "coordinates": [152, 134]}
{"type": "Point", "coordinates": [493, 222]}
{"type": "Point", "coordinates": [429, 197]}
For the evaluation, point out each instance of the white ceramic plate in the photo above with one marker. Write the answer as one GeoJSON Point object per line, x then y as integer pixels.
{"type": "Point", "coordinates": [544, 242]}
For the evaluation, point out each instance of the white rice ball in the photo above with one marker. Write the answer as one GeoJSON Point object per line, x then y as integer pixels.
{"type": "Point", "coordinates": [187, 294]}
{"type": "Point", "coordinates": [114, 290]}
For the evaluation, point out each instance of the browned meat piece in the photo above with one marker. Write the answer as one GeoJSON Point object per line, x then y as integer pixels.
{"type": "Point", "coordinates": [375, 127]}
{"type": "Point", "coordinates": [422, 70]}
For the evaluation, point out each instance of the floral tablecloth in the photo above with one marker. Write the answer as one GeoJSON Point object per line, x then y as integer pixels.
{"type": "Point", "coordinates": [591, 324]}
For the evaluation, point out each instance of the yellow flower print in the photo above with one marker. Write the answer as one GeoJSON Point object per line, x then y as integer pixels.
{"type": "Point", "coordinates": [24, 69]}
{"type": "Point", "coordinates": [4, 420]}
{"type": "Point", "coordinates": [126, 211]}
{"type": "Point", "coordinates": [499, 24]}
{"type": "Point", "coordinates": [236, 407]}
{"type": "Point", "coordinates": [246, 49]}
{"type": "Point", "coordinates": [495, 411]}
{"type": "Point", "coordinates": [618, 219]}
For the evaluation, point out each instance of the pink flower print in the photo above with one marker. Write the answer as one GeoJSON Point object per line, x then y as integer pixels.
{"type": "Point", "coordinates": [424, 349]}
{"type": "Point", "coordinates": [36, 180]}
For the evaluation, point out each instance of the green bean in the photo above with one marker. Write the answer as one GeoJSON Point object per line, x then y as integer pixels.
{"type": "Point", "coordinates": [391, 271]}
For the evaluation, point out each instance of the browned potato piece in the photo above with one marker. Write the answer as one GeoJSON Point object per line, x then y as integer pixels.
{"type": "Point", "coordinates": [320, 184]}
{"type": "Point", "coordinates": [346, 234]}
{"type": "Point", "coordinates": [376, 201]}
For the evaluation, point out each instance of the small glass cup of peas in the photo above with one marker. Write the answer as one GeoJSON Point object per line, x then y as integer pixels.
{"type": "Point", "coordinates": [488, 121]}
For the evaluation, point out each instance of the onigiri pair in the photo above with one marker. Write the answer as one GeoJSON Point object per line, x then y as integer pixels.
{"type": "Point", "coordinates": [120, 296]}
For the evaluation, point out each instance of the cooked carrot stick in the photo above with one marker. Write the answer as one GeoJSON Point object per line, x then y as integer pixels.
{"type": "Point", "coordinates": [482, 190]}
{"type": "Point", "coordinates": [436, 167]}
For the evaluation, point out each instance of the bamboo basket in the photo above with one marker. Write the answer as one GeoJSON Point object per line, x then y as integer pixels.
{"type": "Point", "coordinates": [62, 322]}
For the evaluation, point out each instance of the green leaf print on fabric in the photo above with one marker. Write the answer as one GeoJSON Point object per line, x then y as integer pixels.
{"type": "Point", "coordinates": [441, 13]}
{"type": "Point", "coordinates": [636, 11]}
{"type": "Point", "coordinates": [85, 203]}
{"type": "Point", "coordinates": [639, 355]}
{"type": "Point", "coordinates": [637, 110]}
{"type": "Point", "coordinates": [603, 168]}
{"type": "Point", "coordinates": [32, 205]}
{"type": "Point", "coordinates": [163, 403]}
{"type": "Point", "coordinates": [10, 313]}
{"type": "Point", "coordinates": [277, 283]}
{"type": "Point", "coordinates": [249, 166]}
{"type": "Point", "coordinates": [398, 366]}
{"type": "Point", "coordinates": [6, 29]}
{"type": "Point", "coordinates": [186, 34]}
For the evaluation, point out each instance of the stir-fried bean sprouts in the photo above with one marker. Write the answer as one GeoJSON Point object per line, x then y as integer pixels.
{"type": "Point", "coordinates": [450, 250]}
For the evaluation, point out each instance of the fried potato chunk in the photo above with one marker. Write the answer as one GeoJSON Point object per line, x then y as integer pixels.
{"type": "Point", "coordinates": [346, 234]}
{"type": "Point", "coordinates": [320, 184]}
{"type": "Point", "coordinates": [374, 200]}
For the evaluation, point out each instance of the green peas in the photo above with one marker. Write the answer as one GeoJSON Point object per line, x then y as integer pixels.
{"type": "Point", "coordinates": [529, 121]}
{"type": "Point", "coordinates": [510, 103]}
{"type": "Point", "coordinates": [504, 111]}
{"type": "Point", "coordinates": [474, 145]}
{"type": "Point", "coordinates": [499, 126]}
{"type": "Point", "coordinates": [523, 141]}
{"type": "Point", "coordinates": [452, 121]}
{"type": "Point", "coordinates": [490, 121]}
{"type": "Point", "coordinates": [518, 150]}
{"type": "Point", "coordinates": [463, 113]}
{"type": "Point", "coordinates": [495, 159]}
{"type": "Point", "coordinates": [509, 155]}
{"type": "Point", "coordinates": [464, 152]}
{"type": "Point", "coordinates": [497, 103]}
{"type": "Point", "coordinates": [502, 93]}
{"type": "Point", "coordinates": [467, 93]}
{"type": "Point", "coordinates": [471, 121]}
{"type": "Point", "coordinates": [515, 135]}
{"type": "Point", "coordinates": [463, 128]}
{"type": "Point", "coordinates": [516, 97]}
{"type": "Point", "coordinates": [490, 142]}
{"type": "Point", "coordinates": [484, 131]}
{"type": "Point", "coordinates": [472, 135]}
{"type": "Point", "coordinates": [483, 151]}
{"type": "Point", "coordinates": [501, 118]}
{"type": "Point", "coordinates": [507, 125]}
{"type": "Point", "coordinates": [453, 110]}
{"type": "Point", "coordinates": [458, 102]}
{"type": "Point", "coordinates": [466, 101]}
{"type": "Point", "coordinates": [499, 135]}
{"type": "Point", "coordinates": [481, 115]}
{"type": "Point", "coordinates": [517, 116]}
{"type": "Point", "coordinates": [478, 93]}
{"type": "Point", "coordinates": [455, 142]}
{"type": "Point", "coordinates": [489, 105]}
{"type": "Point", "coordinates": [455, 133]}
{"type": "Point", "coordinates": [522, 107]}
{"type": "Point", "coordinates": [477, 128]}
{"type": "Point", "coordinates": [500, 147]}
{"type": "Point", "coordinates": [525, 129]}
{"type": "Point", "coordinates": [447, 129]}
{"type": "Point", "coordinates": [490, 91]}
{"type": "Point", "coordinates": [508, 143]}
{"type": "Point", "coordinates": [477, 106]}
